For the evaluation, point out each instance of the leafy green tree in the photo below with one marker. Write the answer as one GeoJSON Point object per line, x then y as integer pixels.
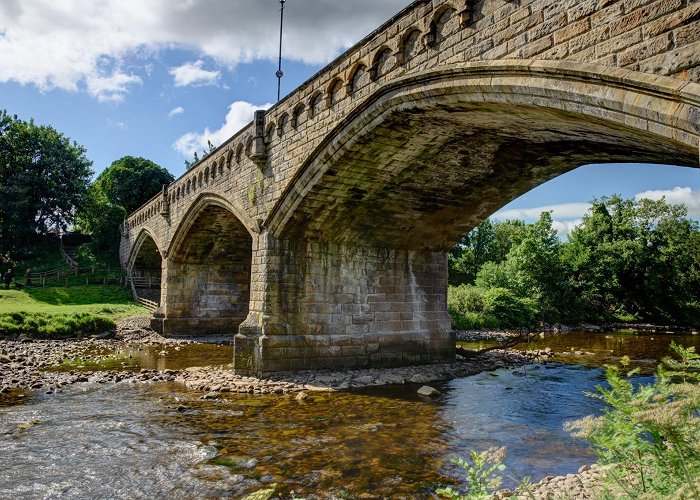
{"type": "Point", "coordinates": [130, 182]}
{"type": "Point", "coordinates": [43, 180]}
{"type": "Point", "coordinates": [489, 242]}
{"type": "Point", "coordinates": [533, 269]}
{"type": "Point", "coordinates": [120, 189]}
{"type": "Point", "coordinates": [635, 260]}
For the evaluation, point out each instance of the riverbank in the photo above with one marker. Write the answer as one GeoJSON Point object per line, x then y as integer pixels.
{"type": "Point", "coordinates": [49, 365]}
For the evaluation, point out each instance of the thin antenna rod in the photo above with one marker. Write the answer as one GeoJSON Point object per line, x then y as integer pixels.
{"type": "Point", "coordinates": [279, 73]}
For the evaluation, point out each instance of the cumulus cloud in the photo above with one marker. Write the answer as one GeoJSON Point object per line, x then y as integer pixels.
{"type": "Point", "coordinates": [192, 73]}
{"type": "Point", "coordinates": [65, 44]}
{"type": "Point", "coordinates": [240, 113]}
{"type": "Point", "coordinates": [176, 111]}
{"type": "Point", "coordinates": [678, 195]}
{"type": "Point", "coordinates": [559, 211]}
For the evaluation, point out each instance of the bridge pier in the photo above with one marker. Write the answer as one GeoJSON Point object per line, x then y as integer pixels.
{"type": "Point", "coordinates": [324, 305]}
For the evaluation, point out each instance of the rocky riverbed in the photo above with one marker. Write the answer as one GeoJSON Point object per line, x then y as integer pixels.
{"type": "Point", "coordinates": [29, 364]}
{"type": "Point", "coordinates": [45, 365]}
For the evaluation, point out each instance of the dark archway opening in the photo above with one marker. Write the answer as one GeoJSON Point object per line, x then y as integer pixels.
{"type": "Point", "coordinates": [146, 271]}
{"type": "Point", "coordinates": [208, 283]}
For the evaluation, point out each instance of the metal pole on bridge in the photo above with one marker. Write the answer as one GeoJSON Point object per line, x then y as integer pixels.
{"type": "Point", "coordinates": [279, 73]}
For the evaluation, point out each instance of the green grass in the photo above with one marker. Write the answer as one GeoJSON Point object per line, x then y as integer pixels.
{"type": "Point", "coordinates": [64, 312]}
{"type": "Point", "coordinates": [112, 301]}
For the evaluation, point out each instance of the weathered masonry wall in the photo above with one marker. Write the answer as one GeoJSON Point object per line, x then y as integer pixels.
{"type": "Point", "coordinates": [340, 200]}
{"type": "Point", "coordinates": [339, 306]}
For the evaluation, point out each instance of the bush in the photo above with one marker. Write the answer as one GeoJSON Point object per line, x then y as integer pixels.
{"type": "Point", "coordinates": [507, 309]}
{"type": "Point", "coordinates": [649, 433]}
{"type": "Point", "coordinates": [54, 325]}
{"type": "Point", "coordinates": [466, 305]}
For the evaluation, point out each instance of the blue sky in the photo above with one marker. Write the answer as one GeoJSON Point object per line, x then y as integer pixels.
{"type": "Point", "coordinates": [157, 79]}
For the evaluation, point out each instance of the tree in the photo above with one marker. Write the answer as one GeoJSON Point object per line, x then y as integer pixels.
{"type": "Point", "coordinates": [130, 182]}
{"type": "Point", "coordinates": [196, 159]}
{"type": "Point", "coordinates": [120, 189]}
{"type": "Point", "coordinates": [635, 260]}
{"type": "Point", "coordinates": [43, 181]}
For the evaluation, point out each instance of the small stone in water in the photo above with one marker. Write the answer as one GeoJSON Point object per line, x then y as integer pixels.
{"type": "Point", "coordinates": [426, 390]}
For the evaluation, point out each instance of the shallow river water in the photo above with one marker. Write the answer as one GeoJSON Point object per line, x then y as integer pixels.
{"type": "Point", "coordinates": [161, 440]}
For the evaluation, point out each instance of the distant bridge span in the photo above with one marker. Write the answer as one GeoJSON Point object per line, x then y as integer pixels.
{"type": "Point", "coordinates": [317, 235]}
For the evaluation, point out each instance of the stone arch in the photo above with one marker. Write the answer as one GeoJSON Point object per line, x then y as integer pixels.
{"type": "Point", "coordinates": [249, 146]}
{"type": "Point", "coordinates": [541, 119]}
{"type": "Point", "coordinates": [359, 77]}
{"type": "Point", "coordinates": [315, 104]}
{"type": "Point", "coordinates": [270, 133]}
{"type": "Point", "coordinates": [206, 173]}
{"type": "Point", "coordinates": [440, 25]}
{"type": "Point", "coordinates": [144, 266]}
{"type": "Point", "coordinates": [409, 45]}
{"type": "Point", "coordinates": [209, 270]}
{"type": "Point", "coordinates": [239, 153]}
{"type": "Point", "coordinates": [298, 114]}
{"type": "Point", "coordinates": [229, 157]}
{"type": "Point", "coordinates": [381, 63]}
{"type": "Point", "coordinates": [333, 91]}
{"type": "Point", "coordinates": [282, 124]}
{"type": "Point", "coordinates": [200, 179]}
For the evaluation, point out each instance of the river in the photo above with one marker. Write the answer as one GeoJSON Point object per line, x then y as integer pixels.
{"type": "Point", "coordinates": [161, 440]}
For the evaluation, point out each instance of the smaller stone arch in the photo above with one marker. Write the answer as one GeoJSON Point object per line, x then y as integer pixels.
{"type": "Point", "coordinates": [249, 146]}
{"type": "Point", "coordinates": [359, 77]}
{"type": "Point", "coordinates": [229, 158]}
{"type": "Point", "coordinates": [333, 91]}
{"type": "Point", "coordinates": [239, 153]}
{"type": "Point", "coordinates": [282, 124]}
{"type": "Point", "coordinates": [440, 25]}
{"type": "Point", "coordinates": [270, 133]}
{"type": "Point", "coordinates": [206, 174]}
{"type": "Point", "coordinates": [315, 104]}
{"type": "Point", "coordinates": [177, 193]}
{"type": "Point", "coordinates": [298, 115]}
{"type": "Point", "coordinates": [214, 167]}
{"type": "Point", "coordinates": [409, 46]}
{"type": "Point", "coordinates": [188, 186]}
{"type": "Point", "coordinates": [381, 63]}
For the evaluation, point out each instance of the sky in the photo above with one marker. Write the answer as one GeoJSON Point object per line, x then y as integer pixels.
{"type": "Point", "coordinates": [159, 78]}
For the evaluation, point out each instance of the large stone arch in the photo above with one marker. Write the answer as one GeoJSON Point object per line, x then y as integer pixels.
{"type": "Point", "coordinates": [208, 272]}
{"type": "Point", "coordinates": [427, 157]}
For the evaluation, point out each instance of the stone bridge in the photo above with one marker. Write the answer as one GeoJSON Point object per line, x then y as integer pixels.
{"type": "Point", "coordinates": [317, 235]}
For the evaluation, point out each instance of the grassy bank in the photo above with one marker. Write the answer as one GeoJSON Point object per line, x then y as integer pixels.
{"type": "Point", "coordinates": [64, 312]}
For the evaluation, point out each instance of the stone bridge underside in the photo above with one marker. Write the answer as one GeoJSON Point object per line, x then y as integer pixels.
{"type": "Point", "coordinates": [318, 234]}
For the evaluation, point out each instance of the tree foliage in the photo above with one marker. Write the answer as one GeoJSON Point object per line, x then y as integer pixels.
{"type": "Point", "coordinates": [43, 179]}
{"type": "Point", "coordinates": [628, 260]}
{"type": "Point", "coordinates": [120, 189]}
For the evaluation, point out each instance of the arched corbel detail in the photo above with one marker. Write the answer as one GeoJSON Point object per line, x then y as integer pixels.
{"type": "Point", "coordinates": [331, 90]}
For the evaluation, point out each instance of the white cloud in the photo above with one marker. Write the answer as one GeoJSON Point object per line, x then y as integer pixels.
{"type": "Point", "coordinates": [65, 44]}
{"type": "Point", "coordinates": [191, 73]}
{"type": "Point", "coordinates": [111, 87]}
{"type": "Point", "coordinates": [176, 111]}
{"type": "Point", "coordinates": [240, 113]}
{"type": "Point", "coordinates": [677, 195]}
{"type": "Point", "coordinates": [564, 227]}
{"type": "Point", "coordinates": [559, 211]}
